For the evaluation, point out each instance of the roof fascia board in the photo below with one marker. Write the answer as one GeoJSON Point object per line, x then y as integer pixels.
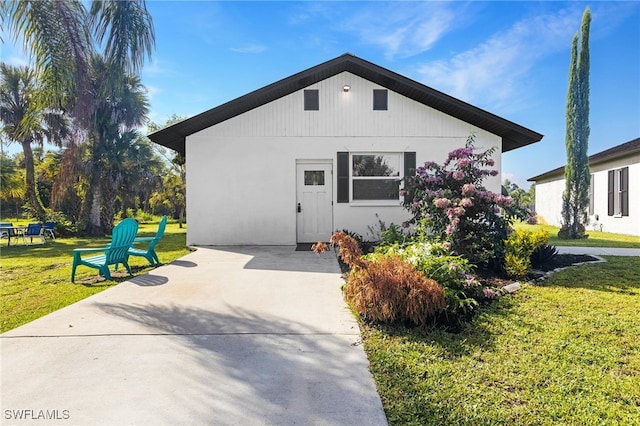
{"type": "Point", "coordinates": [627, 149]}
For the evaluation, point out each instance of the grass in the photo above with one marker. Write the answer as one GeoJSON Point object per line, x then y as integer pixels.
{"type": "Point", "coordinates": [36, 280]}
{"type": "Point", "coordinates": [596, 238]}
{"type": "Point", "coordinates": [565, 352]}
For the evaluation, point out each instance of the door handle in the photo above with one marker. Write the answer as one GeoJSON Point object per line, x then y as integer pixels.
{"type": "Point", "coordinates": [299, 208]}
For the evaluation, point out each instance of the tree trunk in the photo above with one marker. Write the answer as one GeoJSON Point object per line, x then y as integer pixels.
{"type": "Point", "coordinates": [30, 182]}
{"type": "Point", "coordinates": [94, 227]}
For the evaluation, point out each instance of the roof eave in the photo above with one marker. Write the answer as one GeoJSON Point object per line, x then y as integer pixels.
{"type": "Point", "coordinates": [513, 135]}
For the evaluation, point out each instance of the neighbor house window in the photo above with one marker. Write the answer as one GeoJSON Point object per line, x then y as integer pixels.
{"type": "Point", "coordinates": [380, 97]}
{"type": "Point", "coordinates": [311, 100]}
{"type": "Point", "coordinates": [376, 176]}
{"type": "Point", "coordinates": [618, 192]}
{"type": "Point", "coordinates": [591, 205]}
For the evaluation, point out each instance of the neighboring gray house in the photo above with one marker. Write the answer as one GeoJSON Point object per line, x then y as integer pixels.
{"type": "Point", "coordinates": [614, 204]}
{"type": "Point", "coordinates": [321, 150]}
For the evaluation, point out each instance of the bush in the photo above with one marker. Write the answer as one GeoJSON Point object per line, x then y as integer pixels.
{"type": "Point", "coordinates": [450, 203]}
{"type": "Point", "coordinates": [454, 273]}
{"type": "Point", "coordinates": [518, 250]}
{"type": "Point", "coordinates": [365, 246]}
{"type": "Point", "coordinates": [387, 288]}
{"type": "Point", "coordinates": [543, 254]}
{"type": "Point", "coordinates": [64, 227]}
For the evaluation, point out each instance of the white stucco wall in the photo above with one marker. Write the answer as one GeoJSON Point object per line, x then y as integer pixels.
{"type": "Point", "coordinates": [241, 174]}
{"type": "Point", "coordinates": [549, 198]}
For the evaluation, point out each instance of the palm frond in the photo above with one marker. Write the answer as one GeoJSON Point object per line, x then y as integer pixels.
{"type": "Point", "coordinates": [129, 32]}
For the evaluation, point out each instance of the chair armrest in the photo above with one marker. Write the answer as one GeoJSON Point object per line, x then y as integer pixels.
{"type": "Point", "coordinates": [89, 250]}
{"type": "Point", "coordinates": [143, 239]}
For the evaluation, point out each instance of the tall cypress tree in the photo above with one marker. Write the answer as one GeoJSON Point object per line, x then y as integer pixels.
{"type": "Point", "coordinates": [575, 200]}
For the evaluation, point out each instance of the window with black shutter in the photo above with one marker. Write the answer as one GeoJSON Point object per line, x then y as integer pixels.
{"type": "Point", "coordinates": [624, 191]}
{"type": "Point", "coordinates": [373, 177]}
{"type": "Point", "coordinates": [409, 171]}
{"type": "Point", "coordinates": [611, 193]}
{"type": "Point", "coordinates": [618, 192]}
{"type": "Point", "coordinates": [343, 177]}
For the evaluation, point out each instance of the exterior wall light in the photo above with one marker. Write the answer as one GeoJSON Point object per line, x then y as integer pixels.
{"type": "Point", "coordinates": [346, 88]}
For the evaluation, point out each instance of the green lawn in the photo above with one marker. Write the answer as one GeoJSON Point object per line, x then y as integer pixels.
{"type": "Point", "coordinates": [596, 238]}
{"type": "Point", "coordinates": [36, 280]}
{"type": "Point", "coordinates": [565, 352]}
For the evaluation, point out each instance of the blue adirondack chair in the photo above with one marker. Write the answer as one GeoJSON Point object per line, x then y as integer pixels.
{"type": "Point", "coordinates": [149, 252]}
{"type": "Point", "coordinates": [114, 253]}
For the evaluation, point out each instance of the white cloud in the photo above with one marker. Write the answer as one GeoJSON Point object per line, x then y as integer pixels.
{"type": "Point", "coordinates": [402, 29]}
{"type": "Point", "coordinates": [496, 69]}
{"type": "Point", "coordinates": [249, 48]}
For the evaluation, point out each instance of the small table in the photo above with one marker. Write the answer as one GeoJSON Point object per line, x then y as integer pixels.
{"type": "Point", "coordinates": [12, 231]}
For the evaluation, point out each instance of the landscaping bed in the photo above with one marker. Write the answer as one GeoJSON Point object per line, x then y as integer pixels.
{"type": "Point", "coordinates": [493, 279]}
{"type": "Point", "coordinates": [562, 352]}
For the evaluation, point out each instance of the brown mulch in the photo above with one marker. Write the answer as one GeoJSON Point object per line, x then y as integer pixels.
{"type": "Point", "coordinates": [565, 260]}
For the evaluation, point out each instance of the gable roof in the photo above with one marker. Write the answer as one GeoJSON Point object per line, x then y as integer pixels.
{"type": "Point", "coordinates": [513, 135]}
{"type": "Point", "coordinates": [620, 151]}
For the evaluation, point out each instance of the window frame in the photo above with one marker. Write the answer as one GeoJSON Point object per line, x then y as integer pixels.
{"type": "Point", "coordinates": [400, 157]}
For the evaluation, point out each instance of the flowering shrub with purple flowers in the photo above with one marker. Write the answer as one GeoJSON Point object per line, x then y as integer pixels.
{"type": "Point", "coordinates": [448, 202]}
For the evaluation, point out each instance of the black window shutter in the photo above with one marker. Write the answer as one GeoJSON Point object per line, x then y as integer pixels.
{"type": "Point", "coordinates": [624, 191]}
{"type": "Point", "coordinates": [611, 193]}
{"type": "Point", "coordinates": [343, 177]}
{"type": "Point", "coordinates": [311, 100]}
{"type": "Point", "coordinates": [380, 97]}
{"type": "Point", "coordinates": [409, 171]}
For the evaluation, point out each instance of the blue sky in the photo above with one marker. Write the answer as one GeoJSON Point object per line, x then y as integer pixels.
{"type": "Point", "coordinates": [509, 58]}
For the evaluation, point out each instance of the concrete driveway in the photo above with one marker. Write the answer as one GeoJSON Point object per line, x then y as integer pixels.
{"type": "Point", "coordinates": [223, 336]}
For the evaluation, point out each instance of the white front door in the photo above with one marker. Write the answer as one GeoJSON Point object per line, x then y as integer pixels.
{"type": "Point", "coordinates": [314, 202]}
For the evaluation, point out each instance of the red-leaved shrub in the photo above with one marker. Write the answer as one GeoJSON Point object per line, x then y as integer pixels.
{"type": "Point", "coordinates": [386, 288]}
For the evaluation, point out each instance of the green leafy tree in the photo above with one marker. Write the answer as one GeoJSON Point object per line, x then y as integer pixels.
{"type": "Point", "coordinates": [27, 123]}
{"type": "Point", "coordinates": [12, 186]}
{"type": "Point", "coordinates": [171, 197]}
{"type": "Point", "coordinates": [523, 203]}
{"type": "Point", "coordinates": [575, 200]}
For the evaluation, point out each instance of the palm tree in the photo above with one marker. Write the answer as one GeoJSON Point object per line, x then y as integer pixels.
{"type": "Point", "coordinates": [28, 123]}
{"type": "Point", "coordinates": [58, 35]}
{"type": "Point", "coordinates": [120, 105]}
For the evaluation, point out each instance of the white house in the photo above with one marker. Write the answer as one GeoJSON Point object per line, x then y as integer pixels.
{"type": "Point", "coordinates": [319, 151]}
{"type": "Point", "coordinates": [614, 194]}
